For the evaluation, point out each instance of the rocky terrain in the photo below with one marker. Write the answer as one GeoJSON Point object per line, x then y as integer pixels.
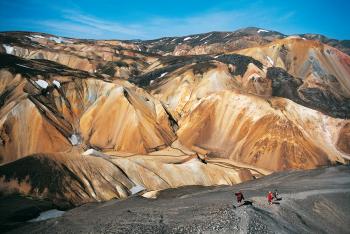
{"type": "Point", "coordinates": [221, 42]}
{"type": "Point", "coordinates": [91, 120]}
{"type": "Point", "coordinates": [313, 201]}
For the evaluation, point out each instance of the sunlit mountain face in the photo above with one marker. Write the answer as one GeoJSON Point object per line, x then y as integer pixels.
{"type": "Point", "coordinates": [91, 120]}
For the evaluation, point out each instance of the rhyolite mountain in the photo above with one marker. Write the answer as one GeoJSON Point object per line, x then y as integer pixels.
{"type": "Point", "coordinates": [221, 42]}
{"type": "Point", "coordinates": [91, 120]}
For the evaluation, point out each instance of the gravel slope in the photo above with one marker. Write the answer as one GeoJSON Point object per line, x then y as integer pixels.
{"type": "Point", "coordinates": [315, 201]}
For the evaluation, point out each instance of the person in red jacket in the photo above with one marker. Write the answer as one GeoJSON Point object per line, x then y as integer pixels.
{"type": "Point", "coordinates": [270, 197]}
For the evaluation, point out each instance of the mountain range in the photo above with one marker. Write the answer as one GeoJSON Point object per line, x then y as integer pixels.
{"type": "Point", "coordinates": [86, 120]}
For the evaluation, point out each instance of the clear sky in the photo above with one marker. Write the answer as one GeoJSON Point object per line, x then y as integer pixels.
{"type": "Point", "coordinates": [144, 19]}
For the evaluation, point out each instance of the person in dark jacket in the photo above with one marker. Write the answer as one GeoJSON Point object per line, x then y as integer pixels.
{"type": "Point", "coordinates": [239, 197]}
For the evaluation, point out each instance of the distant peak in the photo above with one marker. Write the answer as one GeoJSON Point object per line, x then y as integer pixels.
{"type": "Point", "coordinates": [256, 30]}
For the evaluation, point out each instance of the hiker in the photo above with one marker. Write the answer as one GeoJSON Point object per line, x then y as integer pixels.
{"type": "Point", "coordinates": [239, 197]}
{"type": "Point", "coordinates": [275, 195]}
{"type": "Point", "coordinates": [270, 197]}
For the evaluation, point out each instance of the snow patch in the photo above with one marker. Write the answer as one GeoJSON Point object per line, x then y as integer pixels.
{"type": "Point", "coordinates": [136, 189]}
{"type": "Point", "coordinates": [194, 166]}
{"type": "Point", "coordinates": [23, 66]}
{"type": "Point", "coordinates": [227, 35]}
{"type": "Point", "coordinates": [31, 38]}
{"type": "Point", "coordinates": [119, 89]}
{"type": "Point", "coordinates": [74, 139]}
{"type": "Point", "coordinates": [9, 49]}
{"type": "Point", "coordinates": [96, 153]}
{"type": "Point", "coordinates": [56, 39]}
{"type": "Point", "coordinates": [262, 30]}
{"type": "Point", "coordinates": [49, 214]}
{"type": "Point", "coordinates": [270, 60]}
{"type": "Point", "coordinates": [206, 37]}
{"type": "Point", "coordinates": [151, 82]}
{"type": "Point", "coordinates": [294, 37]}
{"type": "Point", "coordinates": [187, 38]}
{"type": "Point", "coordinates": [56, 83]}
{"type": "Point", "coordinates": [151, 194]}
{"type": "Point", "coordinates": [42, 83]}
{"type": "Point", "coordinates": [163, 74]}
{"type": "Point", "coordinates": [59, 40]}
{"type": "Point", "coordinates": [37, 36]}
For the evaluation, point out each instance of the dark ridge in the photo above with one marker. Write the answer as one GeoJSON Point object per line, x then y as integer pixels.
{"type": "Point", "coordinates": [345, 43]}
{"type": "Point", "coordinates": [172, 63]}
{"type": "Point", "coordinates": [19, 209]}
{"type": "Point", "coordinates": [202, 67]}
{"type": "Point", "coordinates": [24, 33]}
{"type": "Point", "coordinates": [173, 123]}
{"type": "Point", "coordinates": [34, 67]}
{"type": "Point", "coordinates": [51, 114]}
{"type": "Point", "coordinates": [284, 84]}
{"type": "Point", "coordinates": [4, 39]}
{"type": "Point", "coordinates": [17, 39]}
{"type": "Point", "coordinates": [143, 52]}
{"type": "Point", "coordinates": [326, 102]}
{"type": "Point", "coordinates": [201, 64]}
{"type": "Point", "coordinates": [5, 95]}
{"type": "Point", "coordinates": [283, 53]}
{"type": "Point", "coordinates": [145, 79]}
{"type": "Point", "coordinates": [240, 61]}
{"type": "Point", "coordinates": [287, 86]}
{"type": "Point", "coordinates": [126, 95]}
{"type": "Point", "coordinates": [109, 67]}
{"type": "Point", "coordinates": [41, 173]}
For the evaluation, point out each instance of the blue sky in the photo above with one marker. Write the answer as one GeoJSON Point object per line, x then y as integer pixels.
{"type": "Point", "coordinates": [108, 19]}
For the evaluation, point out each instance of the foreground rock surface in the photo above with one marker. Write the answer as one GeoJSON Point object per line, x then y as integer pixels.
{"type": "Point", "coordinates": [315, 201]}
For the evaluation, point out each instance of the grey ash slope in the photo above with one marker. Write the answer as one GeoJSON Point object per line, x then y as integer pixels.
{"type": "Point", "coordinates": [315, 201]}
